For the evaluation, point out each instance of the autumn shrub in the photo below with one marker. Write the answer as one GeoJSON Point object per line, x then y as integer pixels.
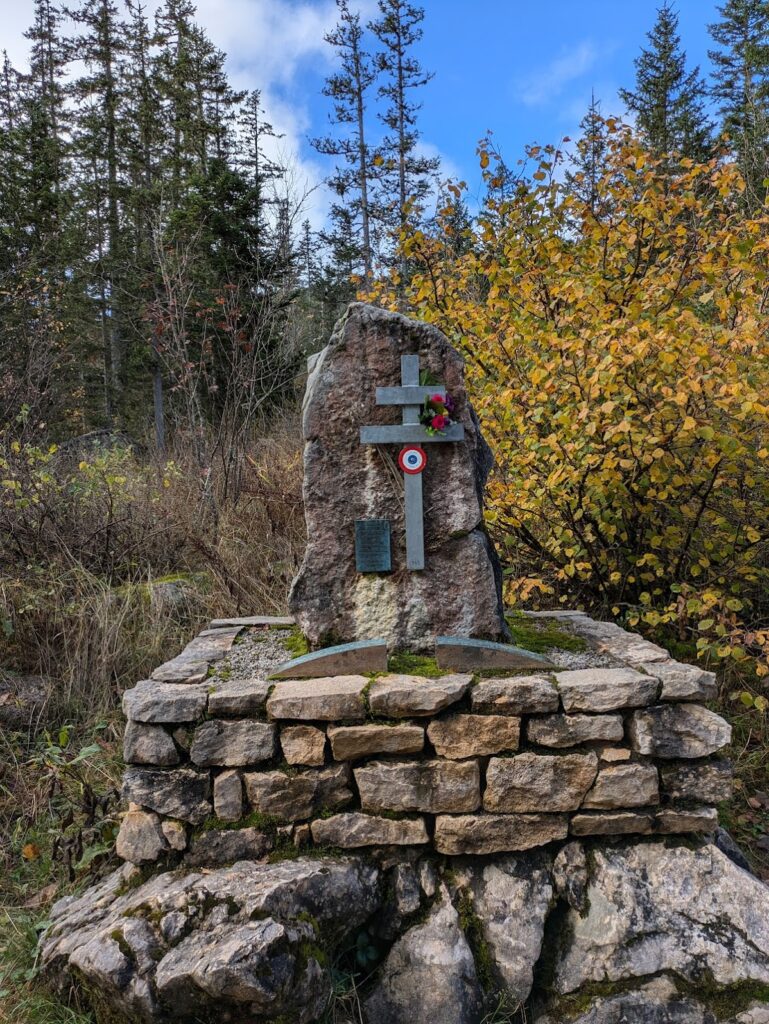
{"type": "Point", "coordinates": [111, 561]}
{"type": "Point", "coordinates": [617, 353]}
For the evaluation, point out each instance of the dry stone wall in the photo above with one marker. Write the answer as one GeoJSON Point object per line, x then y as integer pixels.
{"type": "Point", "coordinates": [221, 770]}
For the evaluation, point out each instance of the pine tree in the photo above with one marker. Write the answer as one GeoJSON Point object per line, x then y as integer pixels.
{"type": "Point", "coordinates": [348, 89]}
{"type": "Point", "coordinates": [667, 100]}
{"type": "Point", "coordinates": [587, 166]}
{"type": "Point", "coordinates": [100, 45]}
{"type": "Point", "coordinates": [741, 85]}
{"type": "Point", "coordinates": [405, 174]}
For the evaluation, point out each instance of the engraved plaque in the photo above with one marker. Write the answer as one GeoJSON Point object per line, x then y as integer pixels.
{"type": "Point", "coordinates": [372, 545]}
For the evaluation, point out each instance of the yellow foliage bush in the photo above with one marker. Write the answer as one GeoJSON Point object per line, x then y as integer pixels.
{"type": "Point", "coordinates": [617, 354]}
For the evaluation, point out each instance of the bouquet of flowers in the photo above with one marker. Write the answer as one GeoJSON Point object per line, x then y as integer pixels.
{"type": "Point", "coordinates": [436, 413]}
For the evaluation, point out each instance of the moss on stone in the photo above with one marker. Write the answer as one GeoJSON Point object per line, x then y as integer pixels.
{"type": "Point", "coordinates": [540, 635]}
{"type": "Point", "coordinates": [295, 642]}
{"type": "Point", "coordinates": [472, 926]}
{"type": "Point", "coordinates": [405, 663]}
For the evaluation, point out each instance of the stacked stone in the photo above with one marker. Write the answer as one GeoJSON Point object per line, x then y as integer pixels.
{"type": "Point", "coordinates": [221, 770]}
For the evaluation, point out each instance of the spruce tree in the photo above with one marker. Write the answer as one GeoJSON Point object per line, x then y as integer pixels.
{"type": "Point", "coordinates": [348, 88]}
{"type": "Point", "coordinates": [587, 166]}
{"type": "Point", "coordinates": [406, 175]}
{"type": "Point", "coordinates": [741, 87]}
{"type": "Point", "coordinates": [668, 100]}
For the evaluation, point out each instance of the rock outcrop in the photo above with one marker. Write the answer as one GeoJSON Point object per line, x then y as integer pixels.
{"type": "Point", "coordinates": [459, 591]}
{"type": "Point", "coordinates": [643, 933]}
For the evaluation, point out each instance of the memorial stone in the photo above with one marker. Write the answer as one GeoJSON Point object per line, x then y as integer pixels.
{"type": "Point", "coordinates": [396, 545]}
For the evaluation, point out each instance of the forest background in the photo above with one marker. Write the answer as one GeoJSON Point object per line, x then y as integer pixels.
{"type": "Point", "coordinates": [162, 286]}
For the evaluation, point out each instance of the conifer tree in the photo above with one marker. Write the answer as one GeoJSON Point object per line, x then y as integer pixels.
{"type": "Point", "coordinates": [668, 100]}
{"type": "Point", "coordinates": [405, 174]}
{"type": "Point", "coordinates": [741, 87]}
{"type": "Point", "coordinates": [348, 88]}
{"type": "Point", "coordinates": [587, 166]}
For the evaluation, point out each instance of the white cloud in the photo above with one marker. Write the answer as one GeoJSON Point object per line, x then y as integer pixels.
{"type": "Point", "coordinates": [550, 82]}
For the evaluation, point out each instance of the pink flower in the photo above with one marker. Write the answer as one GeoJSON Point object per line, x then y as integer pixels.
{"type": "Point", "coordinates": [439, 422]}
{"type": "Point", "coordinates": [438, 399]}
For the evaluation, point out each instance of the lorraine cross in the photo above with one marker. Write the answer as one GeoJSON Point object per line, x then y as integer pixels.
{"type": "Point", "coordinates": [410, 396]}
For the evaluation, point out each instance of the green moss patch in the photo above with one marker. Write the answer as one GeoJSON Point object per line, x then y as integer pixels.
{"type": "Point", "coordinates": [540, 635]}
{"type": "Point", "coordinates": [408, 664]}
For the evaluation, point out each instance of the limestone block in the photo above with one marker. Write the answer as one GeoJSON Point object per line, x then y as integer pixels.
{"type": "Point", "coordinates": [539, 782]}
{"type": "Point", "coordinates": [140, 838]}
{"type": "Point", "coordinates": [148, 744]}
{"type": "Point", "coordinates": [709, 783]}
{"type": "Point", "coordinates": [606, 689]}
{"type": "Point", "coordinates": [682, 682]}
{"type": "Point", "coordinates": [175, 834]}
{"type": "Point", "coordinates": [182, 793]}
{"type": "Point", "coordinates": [569, 730]}
{"type": "Point", "coordinates": [352, 830]}
{"type": "Point", "coordinates": [228, 796]}
{"type": "Point", "coordinates": [678, 730]}
{"type": "Point", "coordinates": [400, 696]}
{"type": "Point", "coordinates": [215, 847]}
{"type": "Point", "coordinates": [351, 742]}
{"type": "Point", "coordinates": [611, 823]}
{"type": "Point", "coordinates": [612, 755]}
{"type": "Point", "coordinates": [325, 700]}
{"type": "Point", "coordinates": [242, 697]}
{"type": "Point", "coordinates": [233, 743]}
{"type": "Point", "coordinates": [298, 797]}
{"type": "Point", "coordinates": [623, 785]}
{"type": "Point", "coordinates": [518, 695]}
{"type": "Point", "coordinates": [461, 736]}
{"type": "Point", "coordinates": [303, 744]}
{"type": "Point", "coordinates": [432, 787]}
{"type": "Point", "coordinates": [151, 701]}
{"type": "Point", "coordinates": [496, 833]}
{"type": "Point", "coordinates": [672, 819]}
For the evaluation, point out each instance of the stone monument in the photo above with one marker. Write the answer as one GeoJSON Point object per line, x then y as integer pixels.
{"type": "Point", "coordinates": [396, 543]}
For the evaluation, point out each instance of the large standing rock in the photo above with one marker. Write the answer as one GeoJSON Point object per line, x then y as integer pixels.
{"type": "Point", "coordinates": [241, 943]}
{"type": "Point", "coordinates": [429, 975]}
{"type": "Point", "coordinates": [652, 909]}
{"type": "Point", "coordinates": [459, 591]}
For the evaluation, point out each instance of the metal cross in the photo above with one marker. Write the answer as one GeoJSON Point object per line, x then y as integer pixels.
{"type": "Point", "coordinates": [410, 396]}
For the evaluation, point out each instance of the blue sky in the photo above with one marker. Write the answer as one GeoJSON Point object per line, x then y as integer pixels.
{"type": "Point", "coordinates": [522, 68]}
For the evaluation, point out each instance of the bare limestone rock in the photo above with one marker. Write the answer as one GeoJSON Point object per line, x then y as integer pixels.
{"type": "Point", "coordinates": [429, 975]}
{"type": "Point", "coordinates": [678, 730]}
{"type": "Point", "coordinates": [683, 682]}
{"type": "Point", "coordinates": [225, 846]}
{"type": "Point", "coordinates": [303, 744]}
{"type": "Point", "coordinates": [674, 820]}
{"type": "Point", "coordinates": [653, 908]}
{"type": "Point", "coordinates": [460, 736]}
{"type": "Point", "coordinates": [228, 796]}
{"type": "Point", "coordinates": [606, 689]}
{"type": "Point", "coordinates": [182, 793]}
{"type": "Point", "coordinates": [140, 838]}
{"type": "Point", "coordinates": [611, 823]}
{"type": "Point", "coordinates": [521, 695]}
{"type": "Point", "coordinates": [345, 481]}
{"type": "Point", "coordinates": [219, 742]}
{"type": "Point", "coordinates": [325, 700]}
{"type": "Point", "coordinates": [349, 831]}
{"type": "Point", "coordinates": [569, 730]}
{"type": "Point", "coordinates": [148, 744]}
{"type": "Point", "coordinates": [710, 782]}
{"type": "Point", "coordinates": [623, 785]}
{"type": "Point", "coordinates": [431, 787]}
{"type": "Point", "coordinates": [298, 797]}
{"type": "Point", "coordinates": [511, 898]}
{"type": "Point", "coordinates": [237, 943]}
{"type": "Point", "coordinates": [238, 697]}
{"type": "Point", "coordinates": [152, 701]}
{"type": "Point", "coordinates": [539, 782]}
{"type": "Point", "coordinates": [350, 742]}
{"type": "Point", "coordinates": [497, 833]}
{"type": "Point", "coordinates": [399, 696]}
